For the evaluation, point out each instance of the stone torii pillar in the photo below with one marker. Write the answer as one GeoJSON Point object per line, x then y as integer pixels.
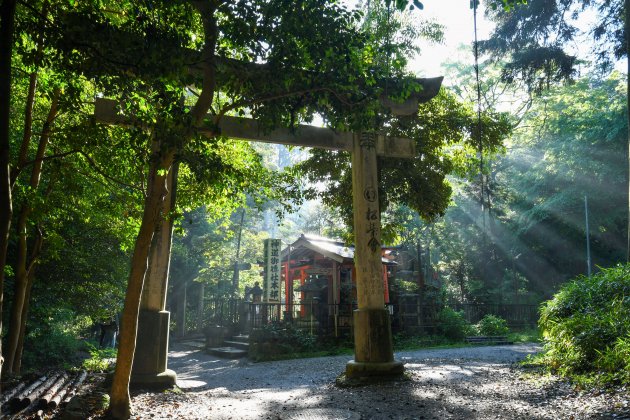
{"type": "Point", "coordinates": [373, 350]}
{"type": "Point", "coordinates": [373, 339]}
{"type": "Point", "coordinates": [153, 319]}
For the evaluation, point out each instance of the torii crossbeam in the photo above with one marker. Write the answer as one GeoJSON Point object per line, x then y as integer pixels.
{"type": "Point", "coordinates": [372, 328]}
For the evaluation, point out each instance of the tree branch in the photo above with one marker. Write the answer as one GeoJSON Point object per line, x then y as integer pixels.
{"type": "Point", "coordinates": [90, 161]}
{"type": "Point", "coordinates": [243, 103]}
{"type": "Point", "coordinates": [105, 175]}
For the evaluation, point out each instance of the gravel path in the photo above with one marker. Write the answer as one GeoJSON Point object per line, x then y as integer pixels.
{"type": "Point", "coordinates": [464, 383]}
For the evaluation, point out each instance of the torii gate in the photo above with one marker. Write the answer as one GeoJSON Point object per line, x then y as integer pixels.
{"type": "Point", "coordinates": [373, 351]}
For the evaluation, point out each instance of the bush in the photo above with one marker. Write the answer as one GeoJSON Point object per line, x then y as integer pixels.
{"type": "Point", "coordinates": [52, 342]}
{"type": "Point", "coordinates": [527, 335]}
{"type": "Point", "coordinates": [100, 359]}
{"type": "Point", "coordinates": [492, 325]}
{"type": "Point", "coordinates": [586, 326]}
{"type": "Point", "coordinates": [453, 325]}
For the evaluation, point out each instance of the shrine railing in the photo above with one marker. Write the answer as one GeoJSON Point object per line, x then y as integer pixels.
{"type": "Point", "coordinates": [336, 319]}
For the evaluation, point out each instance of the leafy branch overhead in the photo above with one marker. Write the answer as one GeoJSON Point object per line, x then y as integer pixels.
{"type": "Point", "coordinates": [443, 132]}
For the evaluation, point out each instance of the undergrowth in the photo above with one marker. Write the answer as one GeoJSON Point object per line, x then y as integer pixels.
{"type": "Point", "coordinates": [279, 341]}
{"type": "Point", "coordinates": [100, 359]}
{"type": "Point", "coordinates": [586, 329]}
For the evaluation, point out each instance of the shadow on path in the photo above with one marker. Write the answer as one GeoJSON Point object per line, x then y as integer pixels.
{"type": "Point", "coordinates": [464, 383]}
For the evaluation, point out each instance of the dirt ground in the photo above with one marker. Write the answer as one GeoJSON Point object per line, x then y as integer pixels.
{"type": "Point", "coordinates": [464, 383]}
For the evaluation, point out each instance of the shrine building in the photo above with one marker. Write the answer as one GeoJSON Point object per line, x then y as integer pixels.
{"type": "Point", "coordinates": [320, 282]}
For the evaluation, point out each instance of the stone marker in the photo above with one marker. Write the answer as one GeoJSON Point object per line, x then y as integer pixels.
{"type": "Point", "coordinates": [373, 352]}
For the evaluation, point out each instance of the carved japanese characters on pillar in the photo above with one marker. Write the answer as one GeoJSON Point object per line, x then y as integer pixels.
{"type": "Point", "coordinates": [367, 223]}
{"type": "Point", "coordinates": [370, 193]}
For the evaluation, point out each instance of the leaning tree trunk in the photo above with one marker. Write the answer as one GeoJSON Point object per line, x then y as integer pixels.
{"type": "Point", "coordinates": [37, 247]}
{"type": "Point", "coordinates": [7, 19]}
{"type": "Point", "coordinates": [22, 156]}
{"type": "Point", "coordinates": [28, 127]}
{"type": "Point", "coordinates": [120, 405]}
{"type": "Point", "coordinates": [30, 101]}
{"type": "Point", "coordinates": [22, 263]}
{"type": "Point", "coordinates": [120, 402]}
{"type": "Point", "coordinates": [17, 360]}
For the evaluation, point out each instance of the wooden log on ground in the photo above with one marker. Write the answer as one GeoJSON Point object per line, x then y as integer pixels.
{"type": "Point", "coordinates": [62, 392]}
{"type": "Point", "coordinates": [15, 401]}
{"type": "Point", "coordinates": [29, 398]}
{"type": "Point", "coordinates": [11, 393]}
{"type": "Point", "coordinates": [45, 400]}
{"type": "Point", "coordinates": [60, 395]}
{"type": "Point", "coordinates": [74, 387]}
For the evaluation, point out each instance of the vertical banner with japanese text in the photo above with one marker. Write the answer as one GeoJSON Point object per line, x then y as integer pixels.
{"type": "Point", "coordinates": [273, 280]}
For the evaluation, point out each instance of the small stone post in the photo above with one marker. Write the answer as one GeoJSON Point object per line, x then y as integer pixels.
{"type": "Point", "coordinates": [373, 352]}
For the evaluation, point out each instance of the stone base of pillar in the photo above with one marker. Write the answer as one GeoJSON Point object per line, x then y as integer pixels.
{"type": "Point", "coordinates": [159, 381]}
{"type": "Point", "coordinates": [150, 359]}
{"type": "Point", "coordinates": [373, 353]}
{"type": "Point", "coordinates": [358, 370]}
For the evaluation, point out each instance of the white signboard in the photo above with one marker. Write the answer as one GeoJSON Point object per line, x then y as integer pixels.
{"type": "Point", "coordinates": [272, 287]}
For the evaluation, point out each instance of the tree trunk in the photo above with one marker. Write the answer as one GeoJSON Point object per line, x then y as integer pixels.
{"type": "Point", "coordinates": [420, 281]}
{"type": "Point", "coordinates": [235, 276]}
{"type": "Point", "coordinates": [37, 248]}
{"type": "Point", "coordinates": [120, 403]}
{"type": "Point", "coordinates": [17, 360]}
{"type": "Point", "coordinates": [19, 296]}
{"type": "Point", "coordinates": [30, 102]}
{"type": "Point", "coordinates": [120, 406]}
{"type": "Point", "coordinates": [156, 280]}
{"type": "Point", "coordinates": [7, 178]}
{"type": "Point", "coordinates": [181, 309]}
{"type": "Point", "coordinates": [28, 127]}
{"type": "Point", "coordinates": [200, 308]}
{"type": "Point", "coordinates": [21, 264]}
{"type": "Point", "coordinates": [7, 19]}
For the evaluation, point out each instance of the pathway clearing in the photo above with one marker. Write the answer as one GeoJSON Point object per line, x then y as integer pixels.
{"type": "Point", "coordinates": [463, 383]}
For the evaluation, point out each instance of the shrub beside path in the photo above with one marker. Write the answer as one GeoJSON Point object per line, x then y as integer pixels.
{"type": "Point", "coordinates": [463, 383]}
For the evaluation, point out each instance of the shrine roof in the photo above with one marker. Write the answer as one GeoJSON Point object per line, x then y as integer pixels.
{"type": "Point", "coordinates": [334, 249]}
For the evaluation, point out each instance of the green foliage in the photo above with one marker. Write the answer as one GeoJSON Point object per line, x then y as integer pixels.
{"type": "Point", "coordinates": [405, 286]}
{"type": "Point", "coordinates": [586, 326]}
{"type": "Point", "coordinates": [452, 324]}
{"type": "Point", "coordinates": [442, 132]}
{"type": "Point", "coordinates": [495, 4]}
{"type": "Point", "coordinates": [615, 361]}
{"type": "Point", "coordinates": [279, 340]}
{"type": "Point", "coordinates": [491, 325]}
{"type": "Point", "coordinates": [532, 335]}
{"type": "Point", "coordinates": [538, 34]}
{"type": "Point", "coordinates": [100, 359]}
{"type": "Point", "coordinates": [572, 142]}
{"type": "Point", "coordinates": [52, 341]}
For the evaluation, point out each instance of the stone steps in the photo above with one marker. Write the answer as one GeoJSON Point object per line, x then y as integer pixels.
{"type": "Point", "coordinates": [237, 344]}
{"type": "Point", "coordinates": [235, 348]}
{"type": "Point", "coordinates": [228, 352]}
